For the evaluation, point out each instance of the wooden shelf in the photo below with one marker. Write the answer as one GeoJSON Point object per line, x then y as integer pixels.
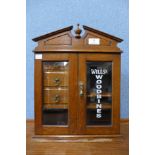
{"type": "Point", "coordinates": [65, 106]}
{"type": "Point", "coordinates": [55, 106]}
{"type": "Point", "coordinates": [103, 94]}
{"type": "Point", "coordinates": [55, 88]}
{"type": "Point", "coordinates": [56, 72]}
{"type": "Point", "coordinates": [104, 106]}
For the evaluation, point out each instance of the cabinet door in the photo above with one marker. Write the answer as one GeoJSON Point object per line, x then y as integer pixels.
{"type": "Point", "coordinates": [55, 93]}
{"type": "Point", "coordinates": [99, 93]}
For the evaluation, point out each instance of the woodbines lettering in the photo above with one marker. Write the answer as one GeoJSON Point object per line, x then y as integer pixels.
{"type": "Point", "coordinates": [99, 73]}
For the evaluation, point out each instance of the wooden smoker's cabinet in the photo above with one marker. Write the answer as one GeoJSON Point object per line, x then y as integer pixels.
{"type": "Point", "coordinates": [77, 83]}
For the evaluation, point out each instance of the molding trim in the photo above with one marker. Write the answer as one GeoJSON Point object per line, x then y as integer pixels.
{"type": "Point", "coordinates": [122, 120]}
{"type": "Point", "coordinates": [73, 138]}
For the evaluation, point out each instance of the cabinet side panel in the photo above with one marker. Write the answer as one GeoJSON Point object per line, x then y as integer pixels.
{"type": "Point", "coordinates": [116, 94]}
{"type": "Point", "coordinates": [38, 95]}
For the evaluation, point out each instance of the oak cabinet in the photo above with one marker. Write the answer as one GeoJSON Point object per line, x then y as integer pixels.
{"type": "Point", "coordinates": [77, 83]}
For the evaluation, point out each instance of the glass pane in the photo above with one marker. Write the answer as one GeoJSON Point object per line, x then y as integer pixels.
{"type": "Point", "coordinates": [55, 90]}
{"type": "Point", "coordinates": [99, 93]}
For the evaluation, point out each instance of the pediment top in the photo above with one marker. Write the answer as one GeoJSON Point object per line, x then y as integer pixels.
{"type": "Point", "coordinates": [91, 40]}
{"type": "Point", "coordinates": [77, 33]}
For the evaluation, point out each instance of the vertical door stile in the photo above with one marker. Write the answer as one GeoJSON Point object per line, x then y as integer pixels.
{"type": "Point", "coordinates": [82, 99]}
{"type": "Point", "coordinates": [38, 96]}
{"type": "Point", "coordinates": [73, 94]}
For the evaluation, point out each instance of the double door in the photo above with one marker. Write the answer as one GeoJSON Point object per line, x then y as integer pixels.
{"type": "Point", "coordinates": [77, 94]}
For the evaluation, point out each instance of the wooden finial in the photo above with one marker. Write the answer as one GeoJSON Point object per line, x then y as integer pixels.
{"type": "Point", "coordinates": [78, 31]}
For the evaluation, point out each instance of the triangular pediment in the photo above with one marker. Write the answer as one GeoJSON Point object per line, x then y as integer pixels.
{"type": "Point", "coordinates": [65, 40]}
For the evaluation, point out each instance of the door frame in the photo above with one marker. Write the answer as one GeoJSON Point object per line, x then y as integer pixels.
{"type": "Point", "coordinates": [41, 129]}
{"type": "Point", "coordinates": [105, 129]}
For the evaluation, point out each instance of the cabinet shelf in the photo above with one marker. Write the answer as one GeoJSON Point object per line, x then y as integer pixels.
{"type": "Point", "coordinates": [55, 106]}
{"type": "Point", "coordinates": [104, 106]}
{"type": "Point", "coordinates": [65, 106]}
{"type": "Point", "coordinates": [107, 94]}
{"type": "Point", "coordinates": [55, 72]}
{"type": "Point", "coordinates": [55, 88]}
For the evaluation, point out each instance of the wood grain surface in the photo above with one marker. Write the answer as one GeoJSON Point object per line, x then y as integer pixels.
{"type": "Point", "coordinates": [96, 146]}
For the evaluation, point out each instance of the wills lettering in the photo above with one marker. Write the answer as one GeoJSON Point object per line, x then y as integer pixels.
{"type": "Point", "coordinates": [99, 71]}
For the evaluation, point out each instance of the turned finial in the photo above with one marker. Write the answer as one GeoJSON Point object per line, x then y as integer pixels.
{"type": "Point", "coordinates": [78, 31]}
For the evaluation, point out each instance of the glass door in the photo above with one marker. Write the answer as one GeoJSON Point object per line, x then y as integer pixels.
{"type": "Point", "coordinates": [99, 93]}
{"type": "Point", "coordinates": [55, 95]}
{"type": "Point", "coordinates": [56, 92]}
{"type": "Point", "coordinates": [99, 102]}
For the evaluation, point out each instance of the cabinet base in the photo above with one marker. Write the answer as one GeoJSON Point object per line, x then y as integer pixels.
{"type": "Point", "coordinates": [76, 138]}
